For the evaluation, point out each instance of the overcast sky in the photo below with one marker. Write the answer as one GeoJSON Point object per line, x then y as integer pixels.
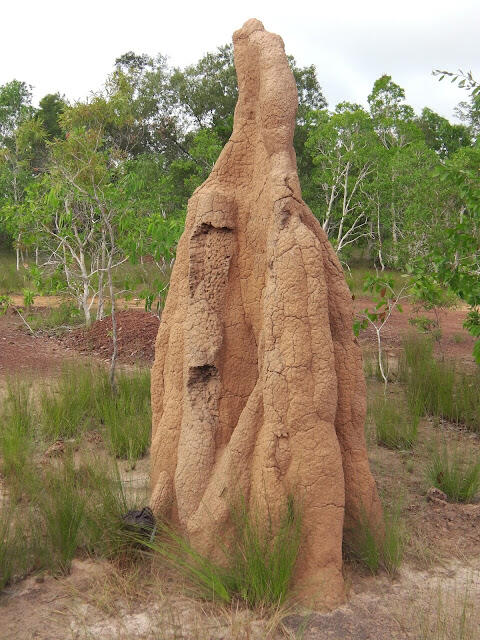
{"type": "Point", "coordinates": [70, 47]}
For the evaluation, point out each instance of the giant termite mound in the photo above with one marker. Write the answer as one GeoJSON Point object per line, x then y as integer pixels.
{"type": "Point", "coordinates": [257, 385]}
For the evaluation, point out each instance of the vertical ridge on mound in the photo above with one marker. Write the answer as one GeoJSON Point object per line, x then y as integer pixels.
{"type": "Point", "coordinates": [257, 385]}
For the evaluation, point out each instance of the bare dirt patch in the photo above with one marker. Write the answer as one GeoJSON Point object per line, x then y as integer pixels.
{"type": "Point", "coordinates": [136, 333]}
{"type": "Point", "coordinates": [454, 341]}
{"type": "Point", "coordinates": [20, 352]}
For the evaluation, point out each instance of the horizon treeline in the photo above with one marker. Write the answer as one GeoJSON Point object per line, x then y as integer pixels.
{"type": "Point", "coordinates": [88, 185]}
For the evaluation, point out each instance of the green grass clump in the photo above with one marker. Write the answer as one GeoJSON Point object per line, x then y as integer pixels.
{"type": "Point", "coordinates": [264, 562]}
{"type": "Point", "coordinates": [9, 556]}
{"type": "Point", "coordinates": [61, 507]}
{"type": "Point", "coordinates": [67, 508]}
{"type": "Point", "coordinates": [83, 399]}
{"type": "Point", "coordinates": [365, 546]}
{"type": "Point", "coordinates": [65, 315]}
{"type": "Point", "coordinates": [127, 415]}
{"type": "Point", "coordinates": [457, 475]}
{"type": "Point", "coordinates": [259, 560]}
{"type": "Point", "coordinates": [437, 388]}
{"type": "Point", "coordinates": [69, 407]}
{"type": "Point", "coordinates": [16, 433]}
{"type": "Point", "coordinates": [394, 428]}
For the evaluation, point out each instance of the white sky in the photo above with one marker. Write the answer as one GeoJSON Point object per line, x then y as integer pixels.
{"type": "Point", "coordinates": [70, 47]}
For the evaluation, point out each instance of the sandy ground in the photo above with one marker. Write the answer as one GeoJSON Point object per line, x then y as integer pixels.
{"type": "Point", "coordinates": [438, 581]}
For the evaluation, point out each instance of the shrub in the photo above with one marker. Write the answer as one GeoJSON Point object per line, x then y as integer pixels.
{"type": "Point", "coordinates": [394, 429]}
{"type": "Point", "coordinates": [457, 475]}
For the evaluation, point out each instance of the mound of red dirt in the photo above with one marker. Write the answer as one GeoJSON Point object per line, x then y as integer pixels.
{"type": "Point", "coordinates": [136, 333]}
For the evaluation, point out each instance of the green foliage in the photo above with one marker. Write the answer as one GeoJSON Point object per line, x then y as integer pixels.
{"type": "Point", "coordinates": [442, 136]}
{"type": "Point", "coordinates": [17, 432]}
{"type": "Point", "coordinates": [28, 297]}
{"type": "Point", "coordinates": [66, 508]}
{"type": "Point", "coordinates": [15, 107]}
{"type": "Point", "coordinates": [384, 297]}
{"type": "Point", "coordinates": [259, 561]}
{"type": "Point", "coordinates": [373, 550]}
{"type": "Point", "coordinates": [50, 109]}
{"type": "Point", "coordinates": [127, 415]}
{"type": "Point", "coordinates": [437, 388]}
{"type": "Point", "coordinates": [455, 473]}
{"type": "Point", "coordinates": [55, 318]}
{"type": "Point", "coordinates": [395, 428]}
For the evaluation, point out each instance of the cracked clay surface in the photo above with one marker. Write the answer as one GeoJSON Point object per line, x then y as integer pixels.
{"type": "Point", "coordinates": [257, 385]}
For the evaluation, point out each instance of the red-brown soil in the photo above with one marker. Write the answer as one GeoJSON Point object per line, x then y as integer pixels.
{"type": "Point", "coordinates": [136, 333]}
{"type": "Point", "coordinates": [19, 351]}
{"type": "Point", "coordinates": [455, 342]}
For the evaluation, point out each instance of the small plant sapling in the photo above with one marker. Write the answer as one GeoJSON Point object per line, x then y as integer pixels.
{"type": "Point", "coordinates": [386, 300]}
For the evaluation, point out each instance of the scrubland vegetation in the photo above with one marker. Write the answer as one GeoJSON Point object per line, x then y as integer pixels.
{"type": "Point", "coordinates": [92, 202]}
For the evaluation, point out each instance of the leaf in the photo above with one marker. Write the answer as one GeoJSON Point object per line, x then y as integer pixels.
{"type": "Point", "coordinates": [476, 352]}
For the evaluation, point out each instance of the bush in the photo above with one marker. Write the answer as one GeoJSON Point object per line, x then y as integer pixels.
{"type": "Point", "coordinates": [457, 475]}
{"type": "Point", "coordinates": [394, 429]}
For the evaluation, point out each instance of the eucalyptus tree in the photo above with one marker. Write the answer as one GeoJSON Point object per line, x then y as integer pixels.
{"type": "Point", "coordinates": [343, 147]}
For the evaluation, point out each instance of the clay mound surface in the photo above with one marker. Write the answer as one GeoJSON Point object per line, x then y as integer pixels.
{"type": "Point", "coordinates": [257, 385]}
{"type": "Point", "coordinates": [136, 332]}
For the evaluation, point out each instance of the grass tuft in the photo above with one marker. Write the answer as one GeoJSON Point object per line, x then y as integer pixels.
{"type": "Point", "coordinates": [452, 612]}
{"type": "Point", "coordinates": [395, 429]}
{"type": "Point", "coordinates": [67, 409]}
{"type": "Point", "coordinates": [264, 562]}
{"type": "Point", "coordinates": [457, 475]}
{"type": "Point", "coordinates": [364, 546]}
{"type": "Point", "coordinates": [437, 388]}
{"type": "Point", "coordinates": [127, 415]}
{"type": "Point", "coordinates": [83, 399]}
{"type": "Point", "coordinates": [259, 563]}
{"type": "Point", "coordinates": [16, 434]}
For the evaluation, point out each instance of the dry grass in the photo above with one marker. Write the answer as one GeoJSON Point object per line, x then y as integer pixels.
{"type": "Point", "coordinates": [449, 610]}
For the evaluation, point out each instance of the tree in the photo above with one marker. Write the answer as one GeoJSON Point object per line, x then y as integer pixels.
{"type": "Point", "coordinates": [50, 109]}
{"type": "Point", "coordinates": [342, 148]}
{"type": "Point", "coordinates": [15, 108]}
{"type": "Point", "coordinates": [442, 136]}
